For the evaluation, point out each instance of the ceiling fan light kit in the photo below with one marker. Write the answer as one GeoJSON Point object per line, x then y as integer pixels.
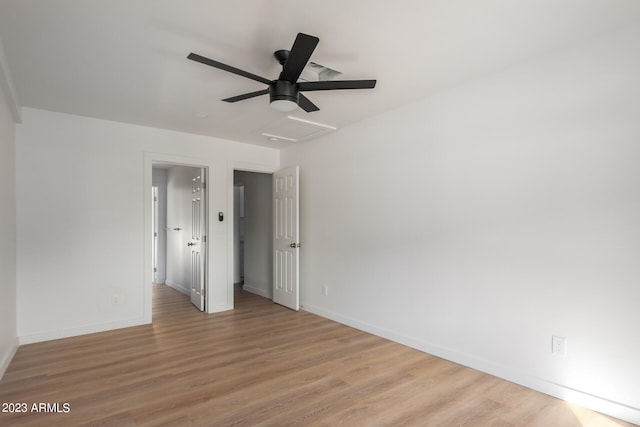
{"type": "Point", "coordinates": [283, 95]}
{"type": "Point", "coordinates": [284, 105]}
{"type": "Point", "coordinates": [285, 92]}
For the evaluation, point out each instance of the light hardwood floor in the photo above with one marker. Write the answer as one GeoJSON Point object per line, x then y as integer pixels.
{"type": "Point", "coordinates": [261, 364]}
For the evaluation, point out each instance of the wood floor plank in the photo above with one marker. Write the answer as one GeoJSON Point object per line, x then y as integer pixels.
{"type": "Point", "coordinates": [261, 364]}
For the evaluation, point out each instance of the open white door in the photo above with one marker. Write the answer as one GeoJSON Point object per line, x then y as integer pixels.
{"type": "Point", "coordinates": [154, 250]}
{"type": "Point", "coordinates": [286, 245]}
{"type": "Point", "coordinates": [198, 239]}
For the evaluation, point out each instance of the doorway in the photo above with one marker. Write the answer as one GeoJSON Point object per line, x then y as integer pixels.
{"type": "Point", "coordinates": [253, 232]}
{"type": "Point", "coordinates": [179, 222]}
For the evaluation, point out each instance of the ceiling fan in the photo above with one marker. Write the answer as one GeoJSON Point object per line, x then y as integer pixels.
{"type": "Point", "coordinates": [285, 92]}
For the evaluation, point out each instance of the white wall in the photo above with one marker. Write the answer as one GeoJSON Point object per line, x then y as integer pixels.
{"type": "Point", "coordinates": [258, 232]}
{"type": "Point", "coordinates": [479, 222]}
{"type": "Point", "coordinates": [179, 216]}
{"type": "Point", "coordinates": [81, 231]}
{"type": "Point", "coordinates": [8, 332]}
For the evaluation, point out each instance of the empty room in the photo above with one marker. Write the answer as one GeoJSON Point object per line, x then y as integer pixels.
{"type": "Point", "coordinates": [283, 212]}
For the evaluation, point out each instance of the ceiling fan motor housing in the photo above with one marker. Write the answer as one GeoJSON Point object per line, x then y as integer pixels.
{"type": "Point", "coordinates": [283, 90]}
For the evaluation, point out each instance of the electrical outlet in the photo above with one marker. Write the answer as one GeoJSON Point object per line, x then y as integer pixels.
{"type": "Point", "coordinates": [559, 345]}
{"type": "Point", "coordinates": [325, 290]}
{"type": "Point", "coordinates": [116, 299]}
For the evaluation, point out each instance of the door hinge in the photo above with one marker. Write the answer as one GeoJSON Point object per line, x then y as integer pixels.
{"type": "Point", "coordinates": [203, 291]}
{"type": "Point", "coordinates": [155, 199]}
{"type": "Point", "coordinates": [204, 238]}
{"type": "Point", "coordinates": [204, 185]}
{"type": "Point", "coordinates": [155, 270]}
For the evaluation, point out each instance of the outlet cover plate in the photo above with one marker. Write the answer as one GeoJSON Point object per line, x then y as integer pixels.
{"type": "Point", "coordinates": [559, 345]}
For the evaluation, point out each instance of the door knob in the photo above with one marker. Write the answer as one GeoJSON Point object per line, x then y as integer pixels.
{"type": "Point", "coordinates": [191, 244]}
{"type": "Point", "coordinates": [294, 245]}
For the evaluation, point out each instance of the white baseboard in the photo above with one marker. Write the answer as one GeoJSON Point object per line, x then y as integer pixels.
{"type": "Point", "coordinates": [178, 287]}
{"type": "Point", "coordinates": [257, 291]}
{"type": "Point", "coordinates": [83, 330]}
{"type": "Point", "coordinates": [5, 359]}
{"type": "Point", "coordinates": [596, 403]}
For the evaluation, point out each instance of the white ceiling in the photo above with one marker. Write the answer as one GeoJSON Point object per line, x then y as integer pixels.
{"type": "Point", "coordinates": [125, 60]}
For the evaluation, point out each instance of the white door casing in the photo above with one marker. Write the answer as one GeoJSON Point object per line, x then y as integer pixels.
{"type": "Point", "coordinates": [198, 239]}
{"type": "Point", "coordinates": [286, 245]}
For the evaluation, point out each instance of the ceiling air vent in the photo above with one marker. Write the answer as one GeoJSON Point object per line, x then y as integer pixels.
{"type": "Point", "coordinates": [315, 72]}
{"type": "Point", "coordinates": [293, 129]}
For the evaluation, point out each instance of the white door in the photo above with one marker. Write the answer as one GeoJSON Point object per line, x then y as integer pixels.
{"type": "Point", "coordinates": [198, 239]}
{"type": "Point", "coordinates": [286, 245]}
{"type": "Point", "coordinates": [154, 192]}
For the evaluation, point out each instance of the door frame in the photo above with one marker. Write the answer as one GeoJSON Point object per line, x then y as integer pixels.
{"type": "Point", "coordinates": [175, 160]}
{"type": "Point", "coordinates": [245, 167]}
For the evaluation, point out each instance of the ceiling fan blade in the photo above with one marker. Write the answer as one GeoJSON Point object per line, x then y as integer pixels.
{"type": "Point", "coordinates": [195, 57]}
{"type": "Point", "coordinates": [300, 53]}
{"type": "Point", "coordinates": [337, 84]}
{"type": "Point", "coordinates": [306, 104]}
{"type": "Point", "coordinates": [247, 95]}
